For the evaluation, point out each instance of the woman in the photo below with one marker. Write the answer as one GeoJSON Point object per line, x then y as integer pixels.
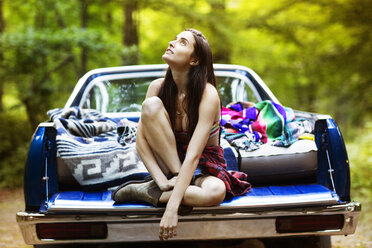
{"type": "Point", "coordinates": [177, 136]}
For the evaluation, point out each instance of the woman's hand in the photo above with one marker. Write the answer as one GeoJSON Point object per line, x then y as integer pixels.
{"type": "Point", "coordinates": [168, 225]}
{"type": "Point", "coordinates": [169, 185]}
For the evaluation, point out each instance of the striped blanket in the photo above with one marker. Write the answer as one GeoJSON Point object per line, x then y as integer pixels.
{"type": "Point", "coordinates": [88, 143]}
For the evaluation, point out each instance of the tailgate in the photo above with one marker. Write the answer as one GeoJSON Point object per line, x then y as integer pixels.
{"type": "Point", "coordinates": [269, 197]}
{"type": "Point", "coordinates": [275, 211]}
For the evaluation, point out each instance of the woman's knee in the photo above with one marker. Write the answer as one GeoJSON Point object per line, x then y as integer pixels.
{"type": "Point", "coordinates": [151, 107]}
{"type": "Point", "coordinates": [216, 191]}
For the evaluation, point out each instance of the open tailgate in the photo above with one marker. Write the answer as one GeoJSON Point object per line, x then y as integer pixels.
{"type": "Point", "coordinates": [257, 198]}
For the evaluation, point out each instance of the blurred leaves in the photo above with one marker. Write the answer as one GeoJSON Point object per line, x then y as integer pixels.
{"type": "Point", "coordinates": [32, 57]}
{"type": "Point", "coordinates": [360, 155]}
{"type": "Point", "coordinates": [15, 136]}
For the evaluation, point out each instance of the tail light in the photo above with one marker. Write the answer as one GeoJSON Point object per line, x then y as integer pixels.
{"type": "Point", "coordinates": [63, 231]}
{"type": "Point", "coordinates": [311, 223]}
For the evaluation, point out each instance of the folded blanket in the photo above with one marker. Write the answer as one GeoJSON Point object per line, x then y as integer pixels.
{"type": "Point", "coordinates": [87, 142]}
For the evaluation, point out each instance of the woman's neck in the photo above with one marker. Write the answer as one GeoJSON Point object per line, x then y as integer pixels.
{"type": "Point", "coordinates": [180, 77]}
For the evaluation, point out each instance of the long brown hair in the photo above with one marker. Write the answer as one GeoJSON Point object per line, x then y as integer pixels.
{"type": "Point", "coordinates": [199, 75]}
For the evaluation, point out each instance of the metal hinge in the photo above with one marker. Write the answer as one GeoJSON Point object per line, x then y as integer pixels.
{"type": "Point", "coordinates": [45, 178]}
{"type": "Point", "coordinates": [330, 169]}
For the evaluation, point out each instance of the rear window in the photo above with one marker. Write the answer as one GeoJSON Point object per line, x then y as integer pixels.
{"type": "Point", "coordinates": [113, 95]}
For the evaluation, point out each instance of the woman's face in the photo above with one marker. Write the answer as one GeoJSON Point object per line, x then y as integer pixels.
{"type": "Point", "coordinates": [180, 50]}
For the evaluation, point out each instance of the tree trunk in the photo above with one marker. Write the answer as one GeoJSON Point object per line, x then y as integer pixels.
{"type": "Point", "coordinates": [2, 28]}
{"type": "Point", "coordinates": [84, 22]}
{"type": "Point", "coordinates": [32, 119]}
{"type": "Point", "coordinates": [130, 32]}
{"type": "Point", "coordinates": [130, 26]}
{"type": "Point", "coordinates": [221, 50]}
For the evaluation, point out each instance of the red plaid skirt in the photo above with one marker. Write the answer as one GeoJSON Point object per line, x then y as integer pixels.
{"type": "Point", "coordinates": [212, 163]}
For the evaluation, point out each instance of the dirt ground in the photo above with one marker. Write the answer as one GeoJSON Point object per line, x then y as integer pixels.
{"type": "Point", "coordinates": [11, 201]}
{"type": "Point", "coordinates": [362, 238]}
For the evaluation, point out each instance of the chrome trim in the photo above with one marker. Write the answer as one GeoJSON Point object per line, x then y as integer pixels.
{"type": "Point", "coordinates": [136, 228]}
{"type": "Point", "coordinates": [47, 124]}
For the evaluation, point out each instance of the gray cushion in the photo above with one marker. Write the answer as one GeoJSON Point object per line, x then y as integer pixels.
{"type": "Point", "coordinates": [271, 164]}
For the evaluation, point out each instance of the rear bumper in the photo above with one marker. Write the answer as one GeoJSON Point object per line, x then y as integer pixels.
{"type": "Point", "coordinates": [122, 227]}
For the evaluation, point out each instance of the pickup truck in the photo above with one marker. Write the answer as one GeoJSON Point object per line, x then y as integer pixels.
{"type": "Point", "coordinates": [300, 192]}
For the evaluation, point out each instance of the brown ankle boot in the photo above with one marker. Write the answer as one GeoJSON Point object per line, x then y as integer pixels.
{"type": "Point", "coordinates": [148, 192]}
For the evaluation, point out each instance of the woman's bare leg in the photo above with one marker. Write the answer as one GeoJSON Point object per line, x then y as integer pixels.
{"type": "Point", "coordinates": [156, 143]}
{"type": "Point", "coordinates": [207, 191]}
{"type": "Point", "coordinates": [157, 171]}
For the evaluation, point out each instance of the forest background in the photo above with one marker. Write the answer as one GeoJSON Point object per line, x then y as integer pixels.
{"type": "Point", "coordinates": [314, 55]}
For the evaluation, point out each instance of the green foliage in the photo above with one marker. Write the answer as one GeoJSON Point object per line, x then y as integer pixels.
{"type": "Point", "coordinates": [32, 57]}
{"type": "Point", "coordinates": [360, 156]}
{"type": "Point", "coordinates": [15, 135]}
{"type": "Point", "coordinates": [130, 55]}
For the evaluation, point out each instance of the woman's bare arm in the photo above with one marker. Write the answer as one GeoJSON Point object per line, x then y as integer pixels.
{"type": "Point", "coordinates": [208, 110]}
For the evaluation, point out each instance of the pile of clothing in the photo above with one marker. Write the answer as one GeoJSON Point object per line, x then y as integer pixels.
{"type": "Point", "coordinates": [265, 122]}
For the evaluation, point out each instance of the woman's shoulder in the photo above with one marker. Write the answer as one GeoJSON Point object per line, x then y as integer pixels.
{"type": "Point", "coordinates": [210, 94]}
{"type": "Point", "coordinates": [154, 87]}
{"type": "Point", "coordinates": [210, 91]}
{"type": "Point", "coordinates": [157, 83]}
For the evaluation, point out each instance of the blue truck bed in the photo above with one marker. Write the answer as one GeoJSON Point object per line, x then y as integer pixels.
{"type": "Point", "coordinates": [258, 197]}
